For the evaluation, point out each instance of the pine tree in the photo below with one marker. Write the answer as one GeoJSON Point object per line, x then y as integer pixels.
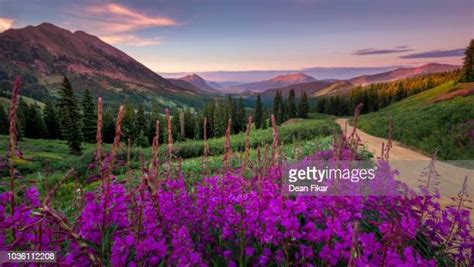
{"type": "Point", "coordinates": [467, 74]}
{"type": "Point", "coordinates": [51, 120]}
{"type": "Point", "coordinates": [141, 140]}
{"type": "Point", "coordinates": [189, 124]}
{"type": "Point", "coordinates": [291, 113]}
{"type": "Point", "coordinates": [3, 121]}
{"type": "Point", "coordinates": [304, 106]}
{"type": "Point", "coordinates": [128, 123]}
{"type": "Point", "coordinates": [209, 114]}
{"type": "Point", "coordinates": [220, 119]}
{"type": "Point", "coordinates": [108, 126]}
{"type": "Point", "coordinates": [141, 124]}
{"type": "Point", "coordinates": [70, 117]}
{"type": "Point", "coordinates": [258, 113]}
{"type": "Point", "coordinates": [89, 118]}
{"type": "Point", "coordinates": [22, 117]}
{"type": "Point", "coordinates": [175, 126]}
{"type": "Point", "coordinates": [282, 111]}
{"type": "Point", "coordinates": [34, 127]}
{"type": "Point", "coordinates": [277, 103]}
{"type": "Point", "coordinates": [241, 115]}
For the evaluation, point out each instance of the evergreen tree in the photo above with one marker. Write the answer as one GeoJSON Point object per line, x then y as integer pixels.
{"type": "Point", "coordinates": [277, 104]}
{"type": "Point", "coordinates": [3, 121]}
{"type": "Point", "coordinates": [209, 114]}
{"type": "Point", "coordinates": [291, 113]}
{"type": "Point", "coordinates": [70, 117]}
{"type": "Point", "coordinates": [189, 124]}
{"type": "Point", "coordinates": [89, 118]}
{"type": "Point", "coordinates": [175, 126]}
{"type": "Point", "coordinates": [141, 140]}
{"type": "Point", "coordinates": [108, 126]}
{"type": "Point", "coordinates": [282, 111]}
{"type": "Point", "coordinates": [258, 113]}
{"type": "Point", "coordinates": [141, 124]}
{"type": "Point", "coordinates": [467, 74]}
{"type": "Point", "coordinates": [22, 117]}
{"type": "Point", "coordinates": [304, 106]}
{"type": "Point", "coordinates": [128, 123]}
{"type": "Point", "coordinates": [141, 127]}
{"type": "Point", "coordinates": [241, 115]}
{"type": "Point", "coordinates": [51, 120]}
{"type": "Point", "coordinates": [220, 119]}
{"type": "Point", "coordinates": [34, 127]}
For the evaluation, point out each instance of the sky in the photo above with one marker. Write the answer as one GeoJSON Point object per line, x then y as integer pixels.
{"type": "Point", "coordinates": [221, 38]}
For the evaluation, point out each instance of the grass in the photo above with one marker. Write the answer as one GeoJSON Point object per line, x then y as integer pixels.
{"type": "Point", "coordinates": [298, 140]}
{"type": "Point", "coordinates": [424, 124]}
{"type": "Point", "coordinates": [5, 102]}
{"type": "Point", "coordinates": [38, 151]}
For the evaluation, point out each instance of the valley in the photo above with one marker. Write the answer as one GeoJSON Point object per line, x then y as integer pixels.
{"type": "Point", "coordinates": [165, 133]}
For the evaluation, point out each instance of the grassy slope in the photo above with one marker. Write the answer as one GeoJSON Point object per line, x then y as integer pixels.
{"type": "Point", "coordinates": [5, 102]}
{"type": "Point", "coordinates": [425, 125]}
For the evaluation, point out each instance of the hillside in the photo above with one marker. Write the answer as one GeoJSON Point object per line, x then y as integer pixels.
{"type": "Point", "coordinates": [401, 73]}
{"type": "Point", "coordinates": [310, 88]}
{"type": "Point", "coordinates": [276, 82]}
{"type": "Point", "coordinates": [199, 82]}
{"type": "Point", "coordinates": [337, 88]}
{"type": "Point", "coordinates": [43, 54]}
{"type": "Point", "coordinates": [440, 118]}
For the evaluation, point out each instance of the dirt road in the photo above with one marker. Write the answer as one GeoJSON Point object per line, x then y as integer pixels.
{"type": "Point", "coordinates": [374, 145]}
{"type": "Point", "coordinates": [412, 163]}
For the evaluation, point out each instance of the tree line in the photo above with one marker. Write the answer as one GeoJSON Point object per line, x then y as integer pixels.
{"type": "Point", "coordinates": [74, 119]}
{"type": "Point", "coordinates": [289, 108]}
{"type": "Point", "coordinates": [379, 95]}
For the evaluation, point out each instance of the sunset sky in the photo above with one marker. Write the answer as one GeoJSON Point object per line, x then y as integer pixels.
{"type": "Point", "coordinates": [200, 36]}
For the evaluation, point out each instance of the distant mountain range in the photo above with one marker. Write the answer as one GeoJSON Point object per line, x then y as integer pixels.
{"type": "Point", "coordinates": [43, 54]}
{"type": "Point", "coordinates": [276, 82]}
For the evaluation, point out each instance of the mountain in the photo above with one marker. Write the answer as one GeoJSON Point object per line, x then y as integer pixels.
{"type": "Point", "coordinates": [214, 85]}
{"type": "Point", "coordinates": [336, 88]}
{"type": "Point", "coordinates": [199, 82]}
{"type": "Point", "coordinates": [185, 85]}
{"type": "Point", "coordinates": [43, 54]}
{"type": "Point", "coordinates": [224, 86]}
{"type": "Point", "coordinates": [276, 82]}
{"type": "Point", "coordinates": [310, 89]}
{"type": "Point", "coordinates": [401, 73]}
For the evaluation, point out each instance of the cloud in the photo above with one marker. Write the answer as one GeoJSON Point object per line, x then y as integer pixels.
{"type": "Point", "coordinates": [374, 51]}
{"type": "Point", "coordinates": [116, 18]}
{"type": "Point", "coordinates": [118, 24]}
{"type": "Point", "coordinates": [5, 24]}
{"type": "Point", "coordinates": [131, 40]}
{"type": "Point", "coordinates": [436, 54]}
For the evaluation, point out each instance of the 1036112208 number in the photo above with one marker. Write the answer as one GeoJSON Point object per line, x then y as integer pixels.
{"type": "Point", "coordinates": [28, 256]}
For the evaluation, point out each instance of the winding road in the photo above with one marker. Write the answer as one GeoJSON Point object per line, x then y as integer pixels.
{"type": "Point", "coordinates": [411, 163]}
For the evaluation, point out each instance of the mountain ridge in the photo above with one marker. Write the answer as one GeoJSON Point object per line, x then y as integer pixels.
{"type": "Point", "coordinates": [314, 89]}
{"type": "Point", "coordinates": [199, 82]}
{"type": "Point", "coordinates": [402, 73]}
{"type": "Point", "coordinates": [43, 54]}
{"type": "Point", "coordinates": [275, 82]}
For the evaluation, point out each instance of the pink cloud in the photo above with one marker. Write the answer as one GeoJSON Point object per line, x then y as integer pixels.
{"type": "Point", "coordinates": [5, 24]}
{"type": "Point", "coordinates": [116, 18]}
{"type": "Point", "coordinates": [131, 40]}
{"type": "Point", "coordinates": [118, 24]}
